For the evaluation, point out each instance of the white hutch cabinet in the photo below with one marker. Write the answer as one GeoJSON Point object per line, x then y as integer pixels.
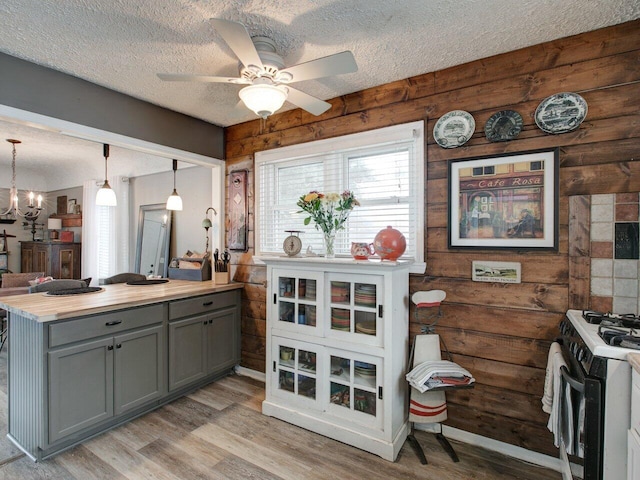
{"type": "Point", "coordinates": [337, 346]}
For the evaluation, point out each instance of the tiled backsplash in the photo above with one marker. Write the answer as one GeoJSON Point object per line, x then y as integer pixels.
{"type": "Point", "coordinates": [615, 253]}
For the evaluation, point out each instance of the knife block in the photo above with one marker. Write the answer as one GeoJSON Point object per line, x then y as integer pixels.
{"type": "Point", "coordinates": [221, 278]}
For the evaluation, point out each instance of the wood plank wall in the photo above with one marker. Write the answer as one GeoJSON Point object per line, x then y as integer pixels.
{"type": "Point", "coordinates": [499, 332]}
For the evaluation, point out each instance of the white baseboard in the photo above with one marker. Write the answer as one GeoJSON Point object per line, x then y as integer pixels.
{"type": "Point", "coordinates": [498, 446]}
{"type": "Point", "coordinates": [466, 437]}
{"type": "Point", "coordinates": [248, 372]}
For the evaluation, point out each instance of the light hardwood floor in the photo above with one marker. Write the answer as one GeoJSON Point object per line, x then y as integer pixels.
{"type": "Point", "coordinates": [218, 432]}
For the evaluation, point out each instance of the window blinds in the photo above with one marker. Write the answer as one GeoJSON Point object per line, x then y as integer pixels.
{"type": "Point", "coordinates": [384, 169]}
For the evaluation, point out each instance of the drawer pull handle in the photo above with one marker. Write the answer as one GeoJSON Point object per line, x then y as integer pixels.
{"type": "Point", "coordinates": [206, 304]}
{"type": "Point", "coordinates": [115, 322]}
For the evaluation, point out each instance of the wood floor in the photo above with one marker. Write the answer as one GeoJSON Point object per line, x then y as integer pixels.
{"type": "Point", "coordinates": [218, 432]}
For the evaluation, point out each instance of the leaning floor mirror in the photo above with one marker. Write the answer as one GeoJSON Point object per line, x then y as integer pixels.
{"type": "Point", "coordinates": [154, 237]}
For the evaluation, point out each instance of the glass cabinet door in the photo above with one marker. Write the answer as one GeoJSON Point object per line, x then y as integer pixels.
{"type": "Point", "coordinates": [297, 300]}
{"type": "Point", "coordinates": [355, 390]}
{"type": "Point", "coordinates": [356, 308]}
{"type": "Point", "coordinates": [295, 371]}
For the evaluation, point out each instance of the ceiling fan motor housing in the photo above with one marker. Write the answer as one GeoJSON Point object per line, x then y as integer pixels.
{"type": "Point", "coordinates": [271, 61]}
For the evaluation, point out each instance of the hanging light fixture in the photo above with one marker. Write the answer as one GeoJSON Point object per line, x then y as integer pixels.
{"type": "Point", "coordinates": [33, 210]}
{"type": "Point", "coordinates": [106, 196]}
{"type": "Point", "coordinates": [174, 202]}
{"type": "Point", "coordinates": [263, 97]}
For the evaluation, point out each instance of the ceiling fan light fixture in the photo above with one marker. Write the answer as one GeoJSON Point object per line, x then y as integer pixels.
{"type": "Point", "coordinates": [106, 197]}
{"type": "Point", "coordinates": [264, 99]}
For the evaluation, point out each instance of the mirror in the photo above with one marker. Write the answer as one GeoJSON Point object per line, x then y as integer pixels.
{"type": "Point", "coordinates": [154, 236]}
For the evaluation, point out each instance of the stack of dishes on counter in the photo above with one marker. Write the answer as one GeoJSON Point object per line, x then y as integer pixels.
{"type": "Point", "coordinates": [365, 369]}
{"type": "Point", "coordinates": [365, 295]}
{"type": "Point", "coordinates": [340, 319]}
{"type": "Point", "coordinates": [340, 292]}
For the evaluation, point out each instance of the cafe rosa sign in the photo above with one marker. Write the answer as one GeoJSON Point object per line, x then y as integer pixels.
{"type": "Point", "coordinates": [511, 182]}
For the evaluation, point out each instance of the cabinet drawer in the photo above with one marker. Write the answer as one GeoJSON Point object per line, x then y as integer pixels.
{"type": "Point", "coordinates": [203, 304]}
{"type": "Point", "coordinates": [106, 324]}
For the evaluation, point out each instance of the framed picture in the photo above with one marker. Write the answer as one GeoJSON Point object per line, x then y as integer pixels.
{"type": "Point", "coordinates": [71, 205]}
{"type": "Point", "coordinates": [61, 205]}
{"type": "Point", "coordinates": [504, 201]}
{"type": "Point", "coordinates": [238, 211]}
{"type": "Point", "coordinates": [499, 272]}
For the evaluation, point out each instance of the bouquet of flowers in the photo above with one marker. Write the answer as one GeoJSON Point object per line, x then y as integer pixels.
{"type": "Point", "coordinates": [329, 212]}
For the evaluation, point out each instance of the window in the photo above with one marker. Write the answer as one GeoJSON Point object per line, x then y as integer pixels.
{"type": "Point", "coordinates": [384, 168]}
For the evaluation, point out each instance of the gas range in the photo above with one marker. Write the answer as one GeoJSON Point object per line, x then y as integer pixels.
{"type": "Point", "coordinates": [589, 326]}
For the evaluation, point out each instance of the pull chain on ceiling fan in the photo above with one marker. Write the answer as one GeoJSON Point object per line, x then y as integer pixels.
{"type": "Point", "coordinates": [267, 79]}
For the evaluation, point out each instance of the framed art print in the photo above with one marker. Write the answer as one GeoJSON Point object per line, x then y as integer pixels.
{"type": "Point", "coordinates": [504, 201]}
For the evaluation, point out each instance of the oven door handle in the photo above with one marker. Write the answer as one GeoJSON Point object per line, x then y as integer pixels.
{"type": "Point", "coordinates": [575, 384]}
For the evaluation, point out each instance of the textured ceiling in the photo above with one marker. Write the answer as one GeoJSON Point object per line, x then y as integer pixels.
{"type": "Point", "coordinates": [122, 44]}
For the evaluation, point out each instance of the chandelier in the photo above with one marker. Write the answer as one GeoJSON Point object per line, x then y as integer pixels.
{"type": "Point", "coordinates": [33, 210]}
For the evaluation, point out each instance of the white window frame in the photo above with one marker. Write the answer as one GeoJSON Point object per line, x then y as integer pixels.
{"type": "Point", "coordinates": [379, 137]}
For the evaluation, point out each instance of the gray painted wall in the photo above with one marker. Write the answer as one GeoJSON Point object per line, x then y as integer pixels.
{"type": "Point", "coordinates": [41, 90]}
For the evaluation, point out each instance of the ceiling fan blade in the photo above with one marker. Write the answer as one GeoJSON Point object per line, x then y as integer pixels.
{"type": "Point", "coordinates": [336, 64]}
{"type": "Point", "coordinates": [179, 77]}
{"type": "Point", "coordinates": [307, 102]}
{"type": "Point", "coordinates": [237, 37]}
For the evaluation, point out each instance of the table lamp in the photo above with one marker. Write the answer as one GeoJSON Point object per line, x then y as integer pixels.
{"type": "Point", "coordinates": [53, 225]}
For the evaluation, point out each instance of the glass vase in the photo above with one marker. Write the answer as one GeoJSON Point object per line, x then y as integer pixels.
{"type": "Point", "coordinates": [328, 239]}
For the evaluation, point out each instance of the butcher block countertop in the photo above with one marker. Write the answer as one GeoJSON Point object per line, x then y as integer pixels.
{"type": "Point", "coordinates": [41, 307]}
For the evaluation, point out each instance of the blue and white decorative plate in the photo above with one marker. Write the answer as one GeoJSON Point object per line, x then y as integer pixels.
{"type": "Point", "coordinates": [454, 129]}
{"type": "Point", "coordinates": [561, 113]}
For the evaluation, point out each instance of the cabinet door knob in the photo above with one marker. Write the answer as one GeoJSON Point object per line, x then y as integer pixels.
{"type": "Point", "coordinates": [110, 347]}
{"type": "Point", "coordinates": [119, 345]}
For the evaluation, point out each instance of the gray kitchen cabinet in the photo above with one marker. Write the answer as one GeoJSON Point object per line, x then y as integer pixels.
{"type": "Point", "coordinates": [95, 380]}
{"type": "Point", "coordinates": [204, 337]}
{"type": "Point", "coordinates": [187, 346]}
{"type": "Point", "coordinates": [78, 367]}
{"type": "Point", "coordinates": [81, 387]}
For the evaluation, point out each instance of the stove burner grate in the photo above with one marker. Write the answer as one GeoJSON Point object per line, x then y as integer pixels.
{"type": "Point", "coordinates": [627, 320]}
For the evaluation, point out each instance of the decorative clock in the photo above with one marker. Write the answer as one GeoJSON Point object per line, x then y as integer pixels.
{"type": "Point", "coordinates": [292, 244]}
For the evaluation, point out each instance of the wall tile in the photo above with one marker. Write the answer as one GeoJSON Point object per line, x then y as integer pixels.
{"type": "Point", "coordinates": [625, 287]}
{"type": "Point", "coordinates": [602, 286]}
{"type": "Point", "coordinates": [601, 249]}
{"type": "Point", "coordinates": [627, 197]}
{"type": "Point", "coordinates": [625, 268]}
{"type": "Point", "coordinates": [601, 213]}
{"type": "Point", "coordinates": [626, 212]}
{"type": "Point", "coordinates": [624, 305]}
{"type": "Point", "coordinates": [602, 199]}
{"type": "Point", "coordinates": [601, 267]}
{"type": "Point", "coordinates": [602, 232]}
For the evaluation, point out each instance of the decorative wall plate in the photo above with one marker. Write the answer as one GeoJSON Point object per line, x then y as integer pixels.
{"type": "Point", "coordinates": [503, 126]}
{"type": "Point", "coordinates": [454, 129]}
{"type": "Point", "coordinates": [561, 113]}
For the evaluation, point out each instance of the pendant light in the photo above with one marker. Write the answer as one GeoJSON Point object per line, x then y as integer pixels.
{"type": "Point", "coordinates": [106, 196]}
{"type": "Point", "coordinates": [174, 202]}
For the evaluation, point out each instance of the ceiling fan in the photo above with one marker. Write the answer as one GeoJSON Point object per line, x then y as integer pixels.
{"type": "Point", "coordinates": [263, 71]}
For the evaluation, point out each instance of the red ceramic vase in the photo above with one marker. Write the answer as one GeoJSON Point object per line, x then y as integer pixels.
{"type": "Point", "coordinates": [389, 243]}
